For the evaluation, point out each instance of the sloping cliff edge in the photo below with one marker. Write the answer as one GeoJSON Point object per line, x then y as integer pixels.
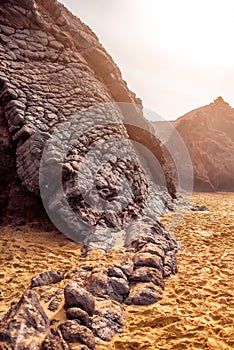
{"type": "Point", "coordinates": [208, 134]}
{"type": "Point", "coordinates": [51, 68]}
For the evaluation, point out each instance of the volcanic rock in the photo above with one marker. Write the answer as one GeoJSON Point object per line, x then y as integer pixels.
{"type": "Point", "coordinates": [153, 249]}
{"type": "Point", "coordinates": [76, 296]}
{"type": "Point", "coordinates": [54, 341]}
{"type": "Point", "coordinates": [25, 323]}
{"type": "Point", "coordinates": [75, 313]}
{"type": "Point", "coordinates": [114, 271]}
{"type": "Point", "coordinates": [125, 264]}
{"type": "Point", "coordinates": [147, 274]}
{"type": "Point", "coordinates": [147, 259]}
{"type": "Point", "coordinates": [98, 282]}
{"type": "Point", "coordinates": [108, 320]}
{"type": "Point", "coordinates": [144, 294]}
{"type": "Point", "coordinates": [59, 85]}
{"type": "Point", "coordinates": [52, 67]}
{"type": "Point", "coordinates": [170, 265]}
{"type": "Point", "coordinates": [47, 277]}
{"type": "Point", "coordinates": [72, 332]}
{"type": "Point", "coordinates": [118, 288]}
{"type": "Point", "coordinates": [199, 208]}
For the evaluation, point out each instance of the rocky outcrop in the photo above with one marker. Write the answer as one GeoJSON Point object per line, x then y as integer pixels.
{"type": "Point", "coordinates": [65, 142]}
{"type": "Point", "coordinates": [87, 304]}
{"type": "Point", "coordinates": [208, 135]}
{"type": "Point", "coordinates": [52, 66]}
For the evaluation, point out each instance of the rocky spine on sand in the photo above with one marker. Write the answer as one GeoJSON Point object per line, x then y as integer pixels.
{"type": "Point", "coordinates": [51, 67]}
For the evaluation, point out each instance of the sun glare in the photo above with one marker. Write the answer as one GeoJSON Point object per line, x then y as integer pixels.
{"type": "Point", "coordinates": [199, 31]}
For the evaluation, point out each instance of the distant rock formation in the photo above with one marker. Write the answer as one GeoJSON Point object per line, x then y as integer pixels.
{"type": "Point", "coordinates": [208, 133]}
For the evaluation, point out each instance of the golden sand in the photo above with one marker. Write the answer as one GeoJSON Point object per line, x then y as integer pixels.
{"type": "Point", "coordinates": [197, 310]}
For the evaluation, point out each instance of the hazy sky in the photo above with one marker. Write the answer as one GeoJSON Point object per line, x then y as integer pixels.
{"type": "Point", "coordinates": [176, 55]}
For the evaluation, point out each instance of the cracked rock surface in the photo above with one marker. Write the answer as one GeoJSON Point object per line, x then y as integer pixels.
{"type": "Point", "coordinates": [52, 67]}
{"type": "Point", "coordinates": [60, 128]}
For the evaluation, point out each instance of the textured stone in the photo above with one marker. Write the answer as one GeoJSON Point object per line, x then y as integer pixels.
{"type": "Point", "coordinates": [73, 333]}
{"type": "Point", "coordinates": [47, 277]}
{"type": "Point", "coordinates": [114, 271]}
{"type": "Point", "coordinates": [102, 329]}
{"type": "Point", "coordinates": [52, 67]}
{"type": "Point", "coordinates": [108, 320]}
{"type": "Point", "coordinates": [199, 208]}
{"type": "Point", "coordinates": [54, 341]}
{"type": "Point", "coordinates": [153, 249]}
{"type": "Point", "coordinates": [76, 296]}
{"type": "Point", "coordinates": [147, 274]}
{"type": "Point", "coordinates": [170, 265]}
{"type": "Point", "coordinates": [144, 294]}
{"type": "Point", "coordinates": [147, 259]}
{"type": "Point", "coordinates": [98, 283]}
{"type": "Point", "coordinates": [25, 323]}
{"type": "Point", "coordinates": [118, 288]}
{"type": "Point", "coordinates": [70, 81]}
{"type": "Point", "coordinates": [126, 265]}
{"type": "Point", "coordinates": [75, 313]}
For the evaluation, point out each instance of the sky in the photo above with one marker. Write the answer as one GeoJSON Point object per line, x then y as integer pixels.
{"type": "Point", "coordinates": [175, 55]}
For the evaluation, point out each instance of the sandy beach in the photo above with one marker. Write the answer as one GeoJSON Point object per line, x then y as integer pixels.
{"type": "Point", "coordinates": [197, 309]}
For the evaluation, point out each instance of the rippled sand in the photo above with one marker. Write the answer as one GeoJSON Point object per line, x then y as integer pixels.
{"type": "Point", "coordinates": [197, 310]}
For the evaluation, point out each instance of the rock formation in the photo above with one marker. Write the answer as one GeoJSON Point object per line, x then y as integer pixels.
{"type": "Point", "coordinates": [52, 67]}
{"type": "Point", "coordinates": [208, 133]}
{"type": "Point", "coordinates": [58, 89]}
{"type": "Point", "coordinates": [84, 306]}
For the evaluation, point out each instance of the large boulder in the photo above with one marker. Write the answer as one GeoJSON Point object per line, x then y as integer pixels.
{"type": "Point", "coordinates": [59, 72]}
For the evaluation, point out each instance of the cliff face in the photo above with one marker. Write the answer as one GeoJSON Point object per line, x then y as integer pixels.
{"type": "Point", "coordinates": [64, 141]}
{"type": "Point", "coordinates": [44, 80]}
{"type": "Point", "coordinates": [52, 66]}
{"type": "Point", "coordinates": [208, 133]}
